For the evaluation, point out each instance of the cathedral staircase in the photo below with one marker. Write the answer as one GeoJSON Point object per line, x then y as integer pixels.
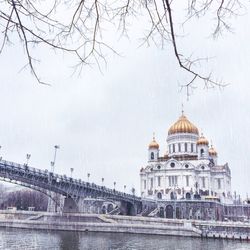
{"type": "Point", "coordinates": [115, 211]}
{"type": "Point", "coordinates": [147, 211]}
{"type": "Point", "coordinates": [153, 213]}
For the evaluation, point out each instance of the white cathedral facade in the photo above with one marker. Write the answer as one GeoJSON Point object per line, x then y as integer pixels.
{"type": "Point", "coordinates": [188, 171]}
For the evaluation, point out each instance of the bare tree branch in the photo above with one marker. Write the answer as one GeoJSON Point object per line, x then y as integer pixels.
{"type": "Point", "coordinates": [76, 27]}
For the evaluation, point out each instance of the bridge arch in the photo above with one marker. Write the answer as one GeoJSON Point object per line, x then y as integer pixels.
{"type": "Point", "coordinates": [38, 189]}
{"type": "Point", "coordinates": [74, 190]}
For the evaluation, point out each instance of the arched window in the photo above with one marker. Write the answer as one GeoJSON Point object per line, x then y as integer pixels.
{"type": "Point", "coordinates": [173, 148]}
{"type": "Point", "coordinates": [203, 182]}
{"type": "Point", "coordinates": [202, 152]}
{"type": "Point", "coordinates": [159, 196]}
{"type": "Point", "coordinates": [192, 147]}
{"type": "Point", "coordinates": [179, 147]}
{"type": "Point", "coordinates": [188, 196]}
{"type": "Point", "coordinates": [173, 196]}
{"type": "Point", "coordinates": [186, 147]}
{"type": "Point", "coordinates": [152, 156]}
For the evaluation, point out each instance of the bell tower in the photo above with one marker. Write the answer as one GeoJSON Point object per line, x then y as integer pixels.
{"type": "Point", "coordinates": [153, 150]}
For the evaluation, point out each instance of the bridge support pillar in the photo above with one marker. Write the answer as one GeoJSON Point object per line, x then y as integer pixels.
{"type": "Point", "coordinates": [70, 205]}
{"type": "Point", "coordinates": [128, 208]}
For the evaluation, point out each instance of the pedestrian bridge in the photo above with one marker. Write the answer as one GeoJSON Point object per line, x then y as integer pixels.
{"type": "Point", "coordinates": [74, 190]}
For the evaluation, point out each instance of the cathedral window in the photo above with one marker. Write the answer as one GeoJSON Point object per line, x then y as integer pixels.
{"type": "Point", "coordinates": [173, 148]}
{"type": "Point", "coordinates": [186, 147]}
{"type": "Point", "coordinates": [219, 183]}
{"type": "Point", "coordinates": [172, 164]}
{"type": "Point", "coordinates": [152, 156]}
{"type": "Point", "coordinates": [192, 147]}
{"type": "Point", "coordinates": [172, 181]}
{"type": "Point", "coordinates": [179, 147]}
{"type": "Point", "coordinates": [202, 152]}
{"type": "Point", "coordinates": [169, 148]}
{"type": "Point", "coordinates": [203, 182]}
{"type": "Point", "coordinates": [145, 184]}
{"type": "Point", "coordinates": [159, 181]}
{"type": "Point", "coordinates": [186, 166]}
{"type": "Point", "coordinates": [187, 180]}
{"type": "Point", "coordinates": [151, 183]}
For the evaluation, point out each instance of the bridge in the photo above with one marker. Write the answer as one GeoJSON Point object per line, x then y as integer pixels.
{"type": "Point", "coordinates": [73, 190]}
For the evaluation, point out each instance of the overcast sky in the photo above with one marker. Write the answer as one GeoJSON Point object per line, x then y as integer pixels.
{"type": "Point", "coordinates": [104, 122]}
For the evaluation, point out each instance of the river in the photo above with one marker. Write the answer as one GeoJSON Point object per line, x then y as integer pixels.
{"type": "Point", "coordinates": [11, 239]}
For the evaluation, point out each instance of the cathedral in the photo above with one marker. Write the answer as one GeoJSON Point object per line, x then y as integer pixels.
{"type": "Point", "coordinates": [188, 171]}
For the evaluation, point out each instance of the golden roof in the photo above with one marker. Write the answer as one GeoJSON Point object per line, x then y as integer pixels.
{"type": "Point", "coordinates": [153, 144]}
{"type": "Point", "coordinates": [212, 151]}
{"type": "Point", "coordinates": [202, 140]}
{"type": "Point", "coordinates": [183, 125]}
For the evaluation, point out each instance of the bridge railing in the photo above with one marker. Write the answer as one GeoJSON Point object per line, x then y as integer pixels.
{"type": "Point", "coordinates": [64, 178]}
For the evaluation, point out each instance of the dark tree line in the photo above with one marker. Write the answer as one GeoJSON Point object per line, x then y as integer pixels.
{"type": "Point", "coordinates": [23, 199]}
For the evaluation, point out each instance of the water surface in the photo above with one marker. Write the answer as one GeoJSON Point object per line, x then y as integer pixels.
{"type": "Point", "coordinates": [11, 239]}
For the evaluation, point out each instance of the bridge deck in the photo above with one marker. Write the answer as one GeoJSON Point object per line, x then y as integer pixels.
{"type": "Point", "coordinates": [67, 186]}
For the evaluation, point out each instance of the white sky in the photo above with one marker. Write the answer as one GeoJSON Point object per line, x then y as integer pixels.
{"type": "Point", "coordinates": [104, 122]}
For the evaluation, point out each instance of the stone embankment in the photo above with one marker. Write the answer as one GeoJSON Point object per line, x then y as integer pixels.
{"type": "Point", "coordinates": [124, 224]}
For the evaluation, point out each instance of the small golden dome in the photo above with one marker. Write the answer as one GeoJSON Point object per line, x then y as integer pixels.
{"type": "Point", "coordinates": [183, 125]}
{"type": "Point", "coordinates": [202, 140]}
{"type": "Point", "coordinates": [153, 144]}
{"type": "Point", "coordinates": [212, 151]}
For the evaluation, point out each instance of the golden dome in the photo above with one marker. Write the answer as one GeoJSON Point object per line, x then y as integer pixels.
{"type": "Point", "coordinates": [153, 144]}
{"type": "Point", "coordinates": [202, 140]}
{"type": "Point", "coordinates": [212, 151]}
{"type": "Point", "coordinates": [183, 125]}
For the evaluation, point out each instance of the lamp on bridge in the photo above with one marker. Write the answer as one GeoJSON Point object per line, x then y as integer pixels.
{"type": "Point", "coordinates": [133, 191]}
{"type": "Point", "coordinates": [27, 158]}
{"type": "Point", "coordinates": [71, 172]}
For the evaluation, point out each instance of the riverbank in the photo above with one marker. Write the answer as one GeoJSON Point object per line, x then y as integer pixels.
{"type": "Point", "coordinates": [124, 224]}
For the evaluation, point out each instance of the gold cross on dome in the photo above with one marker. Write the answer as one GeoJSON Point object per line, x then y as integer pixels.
{"type": "Point", "coordinates": [153, 135]}
{"type": "Point", "coordinates": [182, 109]}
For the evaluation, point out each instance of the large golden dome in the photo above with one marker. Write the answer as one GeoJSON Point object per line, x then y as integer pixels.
{"type": "Point", "coordinates": [183, 125]}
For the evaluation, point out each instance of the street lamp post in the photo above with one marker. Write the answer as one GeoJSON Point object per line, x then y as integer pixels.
{"type": "Point", "coordinates": [114, 184]}
{"type": "Point", "coordinates": [124, 188]}
{"type": "Point", "coordinates": [54, 161]}
{"type": "Point", "coordinates": [52, 166]}
{"type": "Point", "coordinates": [52, 206]}
{"type": "Point", "coordinates": [102, 181]}
{"type": "Point", "coordinates": [88, 176]}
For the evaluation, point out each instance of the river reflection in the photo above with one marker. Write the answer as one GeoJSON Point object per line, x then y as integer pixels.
{"type": "Point", "coordinates": [11, 239]}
